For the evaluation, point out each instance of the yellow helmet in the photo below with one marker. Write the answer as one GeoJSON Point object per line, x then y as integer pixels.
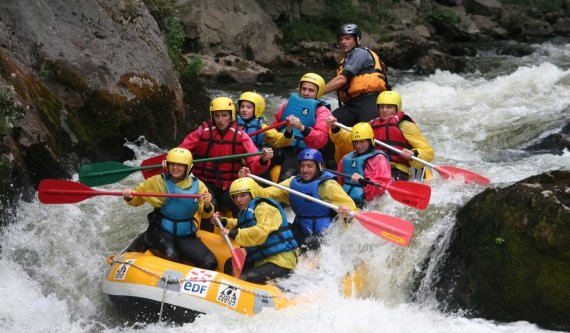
{"type": "Point", "coordinates": [390, 98]}
{"type": "Point", "coordinates": [362, 131]}
{"type": "Point", "coordinates": [223, 104]}
{"type": "Point", "coordinates": [256, 99]}
{"type": "Point", "coordinates": [182, 156]}
{"type": "Point", "coordinates": [243, 185]}
{"type": "Point", "coordinates": [315, 79]}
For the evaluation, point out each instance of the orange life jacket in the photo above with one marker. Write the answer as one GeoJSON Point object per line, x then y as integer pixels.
{"type": "Point", "coordinates": [368, 81]}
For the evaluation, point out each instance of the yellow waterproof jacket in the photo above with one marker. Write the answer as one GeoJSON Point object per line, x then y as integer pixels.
{"type": "Point", "coordinates": [276, 139]}
{"type": "Point", "coordinates": [412, 134]}
{"type": "Point", "coordinates": [156, 184]}
{"type": "Point", "coordinates": [268, 220]}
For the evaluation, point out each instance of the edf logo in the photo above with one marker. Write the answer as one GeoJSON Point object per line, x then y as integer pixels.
{"type": "Point", "coordinates": [195, 288]}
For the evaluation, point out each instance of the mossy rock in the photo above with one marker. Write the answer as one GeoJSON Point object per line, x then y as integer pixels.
{"type": "Point", "coordinates": [509, 258]}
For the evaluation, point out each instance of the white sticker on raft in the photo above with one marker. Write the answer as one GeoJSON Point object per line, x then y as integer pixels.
{"type": "Point", "coordinates": [121, 273]}
{"type": "Point", "coordinates": [228, 294]}
{"type": "Point", "coordinates": [197, 282]}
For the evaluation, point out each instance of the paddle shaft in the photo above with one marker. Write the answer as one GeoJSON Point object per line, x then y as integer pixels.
{"type": "Point", "coordinates": [302, 195]}
{"type": "Point", "coordinates": [267, 128]}
{"type": "Point", "coordinates": [226, 237]}
{"type": "Point", "coordinates": [349, 176]}
{"type": "Point", "coordinates": [310, 198]}
{"type": "Point", "coordinates": [394, 149]}
{"type": "Point", "coordinates": [134, 194]}
{"type": "Point", "coordinates": [157, 166]}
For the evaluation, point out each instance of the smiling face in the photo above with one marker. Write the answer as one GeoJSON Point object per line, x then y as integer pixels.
{"type": "Point", "coordinates": [242, 200]}
{"type": "Point", "coordinates": [308, 170]}
{"type": "Point", "coordinates": [347, 42]}
{"type": "Point", "coordinates": [308, 90]}
{"type": "Point", "coordinates": [387, 110]}
{"type": "Point", "coordinates": [177, 171]}
{"type": "Point", "coordinates": [222, 119]}
{"type": "Point", "coordinates": [246, 110]}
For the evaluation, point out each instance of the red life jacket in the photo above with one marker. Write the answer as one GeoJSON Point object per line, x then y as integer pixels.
{"type": "Point", "coordinates": [211, 144]}
{"type": "Point", "coordinates": [390, 133]}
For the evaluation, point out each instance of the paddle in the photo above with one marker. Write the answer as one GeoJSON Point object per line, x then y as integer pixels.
{"type": "Point", "coordinates": [409, 193]}
{"type": "Point", "coordinates": [54, 191]}
{"type": "Point", "coordinates": [445, 171]}
{"type": "Point", "coordinates": [103, 173]}
{"type": "Point", "coordinates": [388, 227]}
{"type": "Point", "coordinates": [238, 256]}
{"type": "Point", "coordinates": [266, 128]}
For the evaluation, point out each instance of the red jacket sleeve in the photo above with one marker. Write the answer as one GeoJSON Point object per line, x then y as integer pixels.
{"type": "Point", "coordinates": [377, 169]}
{"type": "Point", "coordinates": [192, 139]}
{"type": "Point", "coordinates": [319, 134]}
{"type": "Point", "coordinates": [253, 162]}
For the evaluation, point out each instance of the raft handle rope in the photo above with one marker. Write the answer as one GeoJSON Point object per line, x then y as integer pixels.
{"type": "Point", "coordinates": [181, 281]}
{"type": "Point", "coordinates": [168, 279]}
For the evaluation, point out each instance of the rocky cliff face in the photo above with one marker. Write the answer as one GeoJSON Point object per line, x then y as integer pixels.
{"type": "Point", "coordinates": [84, 76]}
{"type": "Point", "coordinates": [509, 255]}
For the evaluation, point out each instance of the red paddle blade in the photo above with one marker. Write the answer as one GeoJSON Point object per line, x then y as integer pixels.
{"type": "Point", "coordinates": [154, 161]}
{"type": "Point", "coordinates": [447, 171]}
{"type": "Point", "coordinates": [54, 191]}
{"type": "Point", "coordinates": [415, 195]}
{"type": "Point", "coordinates": [238, 261]}
{"type": "Point", "coordinates": [388, 227]}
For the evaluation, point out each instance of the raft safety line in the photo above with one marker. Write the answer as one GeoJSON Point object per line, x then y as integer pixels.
{"type": "Point", "coordinates": [171, 280]}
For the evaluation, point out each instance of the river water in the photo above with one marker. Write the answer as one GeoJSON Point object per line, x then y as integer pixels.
{"type": "Point", "coordinates": [53, 256]}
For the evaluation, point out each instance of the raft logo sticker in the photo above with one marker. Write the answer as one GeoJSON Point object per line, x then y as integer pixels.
{"type": "Point", "coordinates": [228, 294]}
{"type": "Point", "coordinates": [197, 282]}
{"type": "Point", "coordinates": [121, 273]}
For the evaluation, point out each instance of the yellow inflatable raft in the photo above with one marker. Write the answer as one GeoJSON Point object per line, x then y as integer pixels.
{"type": "Point", "coordinates": [150, 288]}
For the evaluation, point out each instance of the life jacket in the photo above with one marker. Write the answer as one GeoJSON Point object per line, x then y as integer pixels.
{"type": "Point", "coordinates": [211, 144]}
{"type": "Point", "coordinates": [389, 132]}
{"type": "Point", "coordinates": [369, 80]}
{"type": "Point", "coordinates": [252, 125]}
{"type": "Point", "coordinates": [176, 216]}
{"type": "Point", "coordinates": [310, 217]}
{"type": "Point", "coordinates": [306, 110]}
{"type": "Point", "coordinates": [355, 164]}
{"type": "Point", "coordinates": [280, 240]}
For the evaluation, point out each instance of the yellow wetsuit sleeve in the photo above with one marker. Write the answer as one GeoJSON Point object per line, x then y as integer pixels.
{"type": "Point", "coordinates": [154, 184]}
{"type": "Point", "coordinates": [276, 139]}
{"type": "Point", "coordinates": [202, 188]}
{"type": "Point", "coordinates": [418, 142]}
{"type": "Point", "coordinates": [342, 143]}
{"type": "Point", "coordinates": [330, 191]}
{"type": "Point", "coordinates": [276, 194]}
{"type": "Point", "coordinates": [268, 220]}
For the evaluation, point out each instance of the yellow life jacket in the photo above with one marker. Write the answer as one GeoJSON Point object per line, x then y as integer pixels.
{"type": "Point", "coordinates": [371, 80]}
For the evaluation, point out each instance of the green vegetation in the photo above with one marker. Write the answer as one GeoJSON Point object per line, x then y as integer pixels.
{"type": "Point", "coordinates": [10, 109]}
{"type": "Point", "coordinates": [369, 15]}
{"type": "Point", "coordinates": [166, 14]}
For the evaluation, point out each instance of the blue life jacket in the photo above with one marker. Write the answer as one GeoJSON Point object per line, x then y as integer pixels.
{"type": "Point", "coordinates": [355, 164]}
{"type": "Point", "coordinates": [280, 240]}
{"type": "Point", "coordinates": [306, 110]}
{"type": "Point", "coordinates": [310, 217]}
{"type": "Point", "coordinates": [176, 216]}
{"type": "Point", "coordinates": [252, 125]}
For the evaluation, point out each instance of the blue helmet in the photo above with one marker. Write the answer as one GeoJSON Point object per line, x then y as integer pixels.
{"type": "Point", "coordinates": [311, 154]}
